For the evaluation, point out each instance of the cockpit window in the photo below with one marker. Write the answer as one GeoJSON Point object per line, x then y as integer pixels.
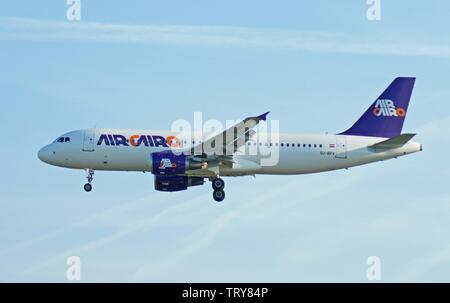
{"type": "Point", "coordinates": [63, 140]}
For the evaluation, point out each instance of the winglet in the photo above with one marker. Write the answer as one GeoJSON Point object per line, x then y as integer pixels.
{"type": "Point", "coordinates": [263, 116]}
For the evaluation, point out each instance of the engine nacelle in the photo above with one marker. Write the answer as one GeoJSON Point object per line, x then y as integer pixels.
{"type": "Point", "coordinates": [176, 183]}
{"type": "Point", "coordinates": [167, 163]}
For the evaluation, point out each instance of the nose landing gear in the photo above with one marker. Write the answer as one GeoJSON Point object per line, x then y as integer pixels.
{"type": "Point", "coordinates": [89, 177]}
{"type": "Point", "coordinates": [218, 193]}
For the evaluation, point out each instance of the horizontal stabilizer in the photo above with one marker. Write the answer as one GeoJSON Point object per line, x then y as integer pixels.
{"type": "Point", "coordinates": [395, 142]}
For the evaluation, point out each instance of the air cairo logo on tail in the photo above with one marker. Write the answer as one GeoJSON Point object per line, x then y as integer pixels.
{"type": "Point", "coordinates": [386, 108]}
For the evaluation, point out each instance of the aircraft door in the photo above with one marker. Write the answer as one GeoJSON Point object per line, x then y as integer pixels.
{"type": "Point", "coordinates": [341, 147]}
{"type": "Point", "coordinates": [88, 140]}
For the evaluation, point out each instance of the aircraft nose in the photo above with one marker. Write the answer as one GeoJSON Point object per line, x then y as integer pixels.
{"type": "Point", "coordinates": [44, 154]}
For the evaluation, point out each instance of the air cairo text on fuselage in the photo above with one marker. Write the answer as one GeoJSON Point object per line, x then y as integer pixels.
{"type": "Point", "coordinates": [138, 140]}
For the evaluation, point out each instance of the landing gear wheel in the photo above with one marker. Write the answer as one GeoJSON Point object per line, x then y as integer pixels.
{"type": "Point", "coordinates": [219, 195]}
{"type": "Point", "coordinates": [87, 187]}
{"type": "Point", "coordinates": [218, 184]}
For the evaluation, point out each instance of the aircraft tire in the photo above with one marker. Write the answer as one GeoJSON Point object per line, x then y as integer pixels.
{"type": "Point", "coordinates": [219, 195]}
{"type": "Point", "coordinates": [218, 184]}
{"type": "Point", "coordinates": [87, 187]}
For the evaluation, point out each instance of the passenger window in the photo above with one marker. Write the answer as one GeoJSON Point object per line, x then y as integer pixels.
{"type": "Point", "coordinates": [320, 145]}
{"type": "Point", "coordinates": [298, 145]}
{"type": "Point", "coordinates": [315, 145]}
{"type": "Point", "coordinates": [309, 145]}
{"type": "Point", "coordinates": [282, 144]}
{"type": "Point", "coordinates": [304, 145]}
{"type": "Point", "coordinates": [287, 144]}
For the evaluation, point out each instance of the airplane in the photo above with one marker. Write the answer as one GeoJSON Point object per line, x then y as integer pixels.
{"type": "Point", "coordinates": [177, 162]}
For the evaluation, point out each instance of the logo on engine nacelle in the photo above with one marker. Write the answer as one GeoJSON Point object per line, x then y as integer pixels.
{"type": "Point", "coordinates": [166, 163]}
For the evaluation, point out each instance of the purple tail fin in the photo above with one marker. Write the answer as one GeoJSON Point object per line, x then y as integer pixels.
{"type": "Point", "coordinates": [386, 115]}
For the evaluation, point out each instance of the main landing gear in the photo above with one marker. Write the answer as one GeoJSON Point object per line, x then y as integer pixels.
{"type": "Point", "coordinates": [89, 177]}
{"type": "Point", "coordinates": [218, 185]}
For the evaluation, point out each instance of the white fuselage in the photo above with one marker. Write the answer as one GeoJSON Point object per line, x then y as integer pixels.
{"type": "Point", "coordinates": [292, 154]}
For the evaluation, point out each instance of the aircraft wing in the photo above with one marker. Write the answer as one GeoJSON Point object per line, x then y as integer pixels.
{"type": "Point", "coordinates": [230, 140]}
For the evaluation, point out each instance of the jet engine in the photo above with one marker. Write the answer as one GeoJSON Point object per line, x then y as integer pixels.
{"type": "Point", "coordinates": [176, 183]}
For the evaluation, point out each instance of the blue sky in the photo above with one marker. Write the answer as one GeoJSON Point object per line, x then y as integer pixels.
{"type": "Point", "coordinates": [316, 65]}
